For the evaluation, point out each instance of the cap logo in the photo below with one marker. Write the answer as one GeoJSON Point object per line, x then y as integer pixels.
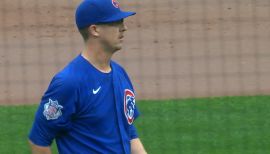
{"type": "Point", "coordinates": [115, 3]}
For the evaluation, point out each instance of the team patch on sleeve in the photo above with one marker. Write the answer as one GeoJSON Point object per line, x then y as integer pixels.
{"type": "Point", "coordinates": [129, 105]}
{"type": "Point", "coordinates": [52, 110]}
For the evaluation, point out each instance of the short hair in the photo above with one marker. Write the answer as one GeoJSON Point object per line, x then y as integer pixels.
{"type": "Point", "coordinates": [85, 33]}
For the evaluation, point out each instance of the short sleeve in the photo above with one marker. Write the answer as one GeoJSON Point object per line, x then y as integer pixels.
{"type": "Point", "coordinates": [136, 112]}
{"type": "Point", "coordinates": [133, 132]}
{"type": "Point", "coordinates": [55, 112]}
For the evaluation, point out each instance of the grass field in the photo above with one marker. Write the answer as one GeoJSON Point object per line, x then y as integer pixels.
{"type": "Point", "coordinates": [228, 125]}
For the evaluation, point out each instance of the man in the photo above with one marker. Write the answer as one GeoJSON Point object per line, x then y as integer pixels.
{"type": "Point", "coordinates": [89, 106]}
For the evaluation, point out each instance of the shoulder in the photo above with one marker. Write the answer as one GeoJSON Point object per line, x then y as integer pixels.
{"type": "Point", "coordinates": [62, 82]}
{"type": "Point", "coordinates": [118, 67]}
{"type": "Point", "coordinates": [121, 71]}
{"type": "Point", "coordinates": [65, 79]}
{"type": "Point", "coordinates": [71, 74]}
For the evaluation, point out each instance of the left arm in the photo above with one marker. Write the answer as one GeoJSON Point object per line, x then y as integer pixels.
{"type": "Point", "coordinates": [137, 147]}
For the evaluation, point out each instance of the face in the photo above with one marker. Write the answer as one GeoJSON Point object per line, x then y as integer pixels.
{"type": "Point", "coordinates": [111, 35]}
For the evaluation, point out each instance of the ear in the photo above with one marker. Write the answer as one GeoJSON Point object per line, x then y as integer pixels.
{"type": "Point", "coordinates": [93, 30]}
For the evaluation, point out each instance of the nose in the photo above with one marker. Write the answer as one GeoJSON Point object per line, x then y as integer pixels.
{"type": "Point", "coordinates": [125, 28]}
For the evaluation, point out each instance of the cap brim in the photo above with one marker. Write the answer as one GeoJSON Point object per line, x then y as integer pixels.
{"type": "Point", "coordinates": [119, 16]}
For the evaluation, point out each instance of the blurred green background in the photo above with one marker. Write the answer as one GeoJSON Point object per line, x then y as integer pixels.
{"type": "Point", "coordinates": [235, 125]}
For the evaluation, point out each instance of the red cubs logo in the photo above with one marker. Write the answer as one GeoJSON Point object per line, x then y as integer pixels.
{"type": "Point", "coordinates": [129, 105]}
{"type": "Point", "coordinates": [115, 3]}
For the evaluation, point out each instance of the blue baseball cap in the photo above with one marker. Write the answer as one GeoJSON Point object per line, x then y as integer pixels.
{"type": "Point", "coordinates": [99, 11]}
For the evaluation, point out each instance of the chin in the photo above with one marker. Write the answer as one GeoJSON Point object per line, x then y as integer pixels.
{"type": "Point", "coordinates": [118, 47]}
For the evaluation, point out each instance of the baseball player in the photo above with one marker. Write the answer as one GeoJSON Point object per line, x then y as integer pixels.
{"type": "Point", "coordinates": [89, 106]}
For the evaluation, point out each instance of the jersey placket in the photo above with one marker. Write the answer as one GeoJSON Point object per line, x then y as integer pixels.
{"type": "Point", "coordinates": [117, 92]}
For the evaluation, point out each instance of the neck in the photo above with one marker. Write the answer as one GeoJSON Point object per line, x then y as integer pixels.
{"type": "Point", "coordinates": [98, 57]}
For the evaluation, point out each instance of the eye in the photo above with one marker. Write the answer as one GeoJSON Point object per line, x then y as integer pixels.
{"type": "Point", "coordinates": [117, 23]}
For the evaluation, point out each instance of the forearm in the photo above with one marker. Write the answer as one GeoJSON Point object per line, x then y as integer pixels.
{"type": "Point", "coordinates": [137, 147]}
{"type": "Point", "coordinates": [39, 149]}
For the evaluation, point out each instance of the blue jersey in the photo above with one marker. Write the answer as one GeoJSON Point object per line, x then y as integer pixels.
{"type": "Point", "coordinates": [87, 111]}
